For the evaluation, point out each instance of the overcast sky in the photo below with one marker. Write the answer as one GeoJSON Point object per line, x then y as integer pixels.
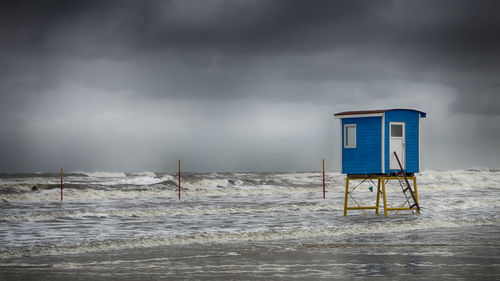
{"type": "Point", "coordinates": [240, 85]}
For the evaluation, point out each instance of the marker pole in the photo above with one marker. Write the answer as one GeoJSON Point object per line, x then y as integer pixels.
{"type": "Point", "coordinates": [61, 184]}
{"type": "Point", "coordinates": [179, 179]}
{"type": "Point", "coordinates": [324, 196]}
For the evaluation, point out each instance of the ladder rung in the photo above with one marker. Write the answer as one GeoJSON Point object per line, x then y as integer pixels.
{"type": "Point", "coordinates": [408, 186]}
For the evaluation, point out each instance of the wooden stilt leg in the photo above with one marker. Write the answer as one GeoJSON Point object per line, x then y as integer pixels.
{"type": "Point", "coordinates": [346, 193]}
{"type": "Point", "coordinates": [415, 185]}
{"type": "Point", "coordinates": [415, 191]}
{"type": "Point", "coordinates": [378, 196]}
{"type": "Point", "coordinates": [383, 194]}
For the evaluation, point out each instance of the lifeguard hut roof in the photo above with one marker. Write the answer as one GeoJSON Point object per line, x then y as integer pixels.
{"type": "Point", "coordinates": [376, 112]}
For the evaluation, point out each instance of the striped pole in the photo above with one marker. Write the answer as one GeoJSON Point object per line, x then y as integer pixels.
{"type": "Point", "coordinates": [179, 179]}
{"type": "Point", "coordinates": [324, 195]}
{"type": "Point", "coordinates": [61, 184]}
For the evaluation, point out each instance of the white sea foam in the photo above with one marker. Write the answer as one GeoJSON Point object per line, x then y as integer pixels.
{"type": "Point", "coordinates": [143, 174]}
{"type": "Point", "coordinates": [84, 195]}
{"type": "Point", "coordinates": [236, 185]}
{"type": "Point", "coordinates": [206, 183]}
{"type": "Point", "coordinates": [459, 179]}
{"type": "Point", "coordinates": [106, 174]}
{"type": "Point", "coordinates": [237, 237]}
{"type": "Point", "coordinates": [143, 207]}
{"type": "Point", "coordinates": [155, 212]}
{"type": "Point", "coordinates": [140, 180]}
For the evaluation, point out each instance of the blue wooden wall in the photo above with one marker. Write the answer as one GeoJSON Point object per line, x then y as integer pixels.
{"type": "Point", "coordinates": [366, 157]}
{"type": "Point", "coordinates": [411, 118]}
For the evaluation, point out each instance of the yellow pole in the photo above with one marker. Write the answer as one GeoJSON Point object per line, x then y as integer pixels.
{"type": "Point", "coordinates": [378, 196]}
{"type": "Point", "coordinates": [346, 193]}
{"type": "Point", "coordinates": [416, 192]}
{"type": "Point", "coordinates": [383, 194]}
{"type": "Point", "coordinates": [415, 185]}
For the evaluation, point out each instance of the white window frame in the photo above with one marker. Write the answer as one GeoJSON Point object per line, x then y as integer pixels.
{"type": "Point", "coordinates": [345, 135]}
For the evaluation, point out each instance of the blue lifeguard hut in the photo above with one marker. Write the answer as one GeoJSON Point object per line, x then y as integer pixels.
{"type": "Point", "coordinates": [384, 145]}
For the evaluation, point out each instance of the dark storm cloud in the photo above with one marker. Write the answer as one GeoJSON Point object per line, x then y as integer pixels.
{"type": "Point", "coordinates": [106, 61]}
{"type": "Point", "coordinates": [451, 27]}
{"type": "Point", "coordinates": [245, 38]}
{"type": "Point", "coordinates": [240, 26]}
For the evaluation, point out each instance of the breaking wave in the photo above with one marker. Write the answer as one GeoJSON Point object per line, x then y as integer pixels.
{"type": "Point", "coordinates": [108, 211]}
{"type": "Point", "coordinates": [106, 174]}
{"type": "Point", "coordinates": [112, 186]}
{"type": "Point", "coordinates": [156, 212]}
{"type": "Point", "coordinates": [237, 237]}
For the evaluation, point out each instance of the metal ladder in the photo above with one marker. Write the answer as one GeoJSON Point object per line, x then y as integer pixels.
{"type": "Point", "coordinates": [406, 187]}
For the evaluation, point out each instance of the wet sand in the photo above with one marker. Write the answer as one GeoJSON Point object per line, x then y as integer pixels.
{"type": "Point", "coordinates": [467, 253]}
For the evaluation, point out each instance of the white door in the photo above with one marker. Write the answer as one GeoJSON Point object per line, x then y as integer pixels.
{"type": "Point", "coordinates": [397, 143]}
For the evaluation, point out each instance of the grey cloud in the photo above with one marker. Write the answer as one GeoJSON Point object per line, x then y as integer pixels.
{"type": "Point", "coordinates": [426, 35]}
{"type": "Point", "coordinates": [255, 27]}
{"type": "Point", "coordinates": [250, 26]}
{"type": "Point", "coordinates": [478, 99]}
{"type": "Point", "coordinates": [100, 64]}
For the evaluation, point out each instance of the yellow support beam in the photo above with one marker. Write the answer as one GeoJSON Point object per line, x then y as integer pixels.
{"type": "Point", "coordinates": [346, 193]}
{"type": "Point", "coordinates": [400, 209]}
{"type": "Point", "coordinates": [383, 194]}
{"type": "Point", "coordinates": [381, 191]}
{"type": "Point", "coordinates": [415, 188]}
{"type": "Point", "coordinates": [378, 196]}
{"type": "Point", "coordinates": [362, 208]}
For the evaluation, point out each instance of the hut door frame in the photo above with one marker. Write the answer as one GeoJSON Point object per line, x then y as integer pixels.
{"type": "Point", "coordinates": [398, 144]}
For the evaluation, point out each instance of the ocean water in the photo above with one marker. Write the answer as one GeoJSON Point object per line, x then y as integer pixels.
{"type": "Point", "coordinates": [267, 226]}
